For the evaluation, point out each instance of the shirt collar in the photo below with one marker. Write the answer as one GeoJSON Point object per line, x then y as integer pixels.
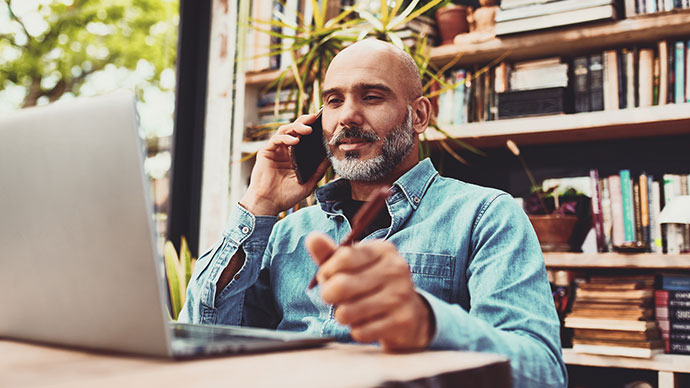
{"type": "Point", "coordinates": [412, 185]}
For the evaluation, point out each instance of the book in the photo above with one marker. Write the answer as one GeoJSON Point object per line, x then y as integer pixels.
{"type": "Point", "coordinates": [535, 102]}
{"type": "Point", "coordinates": [622, 79]}
{"type": "Point", "coordinates": [609, 324]}
{"type": "Point", "coordinates": [644, 209]}
{"type": "Point", "coordinates": [597, 216]}
{"type": "Point", "coordinates": [538, 22]}
{"type": "Point", "coordinates": [637, 212]}
{"type": "Point", "coordinates": [662, 48]}
{"type": "Point", "coordinates": [628, 207]}
{"type": "Point", "coordinates": [459, 97]}
{"type": "Point", "coordinates": [617, 223]}
{"type": "Point", "coordinates": [581, 84]}
{"type": "Point", "coordinates": [650, 334]}
{"type": "Point", "coordinates": [629, 8]}
{"type": "Point", "coordinates": [584, 294]}
{"type": "Point", "coordinates": [646, 77]}
{"type": "Point", "coordinates": [687, 70]}
{"type": "Point", "coordinates": [596, 82]}
{"type": "Point", "coordinates": [611, 95]}
{"type": "Point", "coordinates": [606, 211]}
{"type": "Point", "coordinates": [550, 8]}
{"type": "Point", "coordinates": [610, 350]}
{"type": "Point", "coordinates": [679, 81]}
{"type": "Point", "coordinates": [679, 347]}
{"type": "Point", "coordinates": [671, 74]}
{"type": "Point", "coordinates": [675, 282]}
{"type": "Point", "coordinates": [670, 295]}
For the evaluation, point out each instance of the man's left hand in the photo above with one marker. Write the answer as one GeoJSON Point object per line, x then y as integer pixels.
{"type": "Point", "coordinates": [371, 285]}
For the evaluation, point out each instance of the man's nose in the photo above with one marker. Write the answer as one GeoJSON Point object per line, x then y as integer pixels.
{"type": "Point", "coordinates": [350, 114]}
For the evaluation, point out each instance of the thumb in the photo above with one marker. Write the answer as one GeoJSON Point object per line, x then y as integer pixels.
{"type": "Point", "coordinates": [319, 246]}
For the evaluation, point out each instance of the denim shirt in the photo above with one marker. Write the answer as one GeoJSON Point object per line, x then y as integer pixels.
{"type": "Point", "coordinates": [471, 250]}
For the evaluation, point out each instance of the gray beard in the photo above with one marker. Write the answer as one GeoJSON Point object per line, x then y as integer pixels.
{"type": "Point", "coordinates": [396, 146]}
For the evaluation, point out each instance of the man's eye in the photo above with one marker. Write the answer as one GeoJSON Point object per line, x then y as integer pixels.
{"type": "Point", "coordinates": [372, 98]}
{"type": "Point", "coordinates": [332, 101]}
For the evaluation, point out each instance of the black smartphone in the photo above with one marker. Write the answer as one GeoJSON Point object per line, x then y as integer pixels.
{"type": "Point", "coordinates": [307, 155]}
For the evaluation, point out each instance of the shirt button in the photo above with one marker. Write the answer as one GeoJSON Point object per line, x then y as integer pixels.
{"type": "Point", "coordinates": [245, 230]}
{"type": "Point", "coordinates": [415, 200]}
{"type": "Point", "coordinates": [237, 276]}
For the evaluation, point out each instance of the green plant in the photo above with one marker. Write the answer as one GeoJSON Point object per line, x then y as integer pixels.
{"type": "Point", "coordinates": [315, 44]}
{"type": "Point", "coordinates": [178, 269]}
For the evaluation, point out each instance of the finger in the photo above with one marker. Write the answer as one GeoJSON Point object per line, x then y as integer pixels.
{"type": "Point", "coordinates": [319, 246]}
{"type": "Point", "coordinates": [307, 119]}
{"type": "Point", "coordinates": [278, 141]}
{"type": "Point", "coordinates": [355, 258]}
{"type": "Point", "coordinates": [366, 308]}
{"type": "Point", "coordinates": [294, 129]}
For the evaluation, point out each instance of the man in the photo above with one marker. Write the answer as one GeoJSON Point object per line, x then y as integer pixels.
{"type": "Point", "coordinates": [446, 264]}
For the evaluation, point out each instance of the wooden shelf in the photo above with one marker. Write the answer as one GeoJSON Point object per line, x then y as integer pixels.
{"type": "Point", "coordinates": [672, 119]}
{"type": "Point", "coordinates": [660, 362]}
{"type": "Point", "coordinates": [572, 40]}
{"type": "Point", "coordinates": [616, 260]}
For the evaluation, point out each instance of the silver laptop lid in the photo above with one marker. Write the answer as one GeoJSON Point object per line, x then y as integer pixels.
{"type": "Point", "coordinates": [78, 263]}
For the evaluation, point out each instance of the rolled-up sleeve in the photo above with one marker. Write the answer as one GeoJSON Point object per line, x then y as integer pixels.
{"type": "Point", "coordinates": [242, 231]}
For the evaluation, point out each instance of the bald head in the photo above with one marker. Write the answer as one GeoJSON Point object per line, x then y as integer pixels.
{"type": "Point", "coordinates": [404, 67]}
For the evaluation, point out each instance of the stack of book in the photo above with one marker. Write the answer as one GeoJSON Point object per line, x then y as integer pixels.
{"type": "Point", "coordinates": [532, 88]}
{"type": "Point", "coordinates": [528, 15]}
{"type": "Point", "coordinates": [626, 211]}
{"type": "Point", "coordinates": [615, 316]}
{"type": "Point", "coordinates": [641, 7]}
{"type": "Point", "coordinates": [673, 313]}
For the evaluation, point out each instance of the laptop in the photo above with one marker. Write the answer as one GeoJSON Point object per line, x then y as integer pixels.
{"type": "Point", "coordinates": [78, 262]}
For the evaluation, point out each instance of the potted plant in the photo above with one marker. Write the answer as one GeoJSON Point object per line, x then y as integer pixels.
{"type": "Point", "coordinates": [178, 270]}
{"type": "Point", "coordinates": [561, 221]}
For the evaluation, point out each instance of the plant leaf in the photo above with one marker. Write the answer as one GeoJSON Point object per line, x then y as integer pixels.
{"type": "Point", "coordinates": [171, 261]}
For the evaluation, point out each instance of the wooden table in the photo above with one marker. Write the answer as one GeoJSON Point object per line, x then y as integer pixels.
{"type": "Point", "coordinates": [336, 365]}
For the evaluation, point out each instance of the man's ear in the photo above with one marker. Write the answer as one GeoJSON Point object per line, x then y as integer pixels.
{"type": "Point", "coordinates": [421, 114]}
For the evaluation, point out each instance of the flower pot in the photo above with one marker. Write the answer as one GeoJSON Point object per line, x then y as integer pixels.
{"type": "Point", "coordinates": [554, 231]}
{"type": "Point", "coordinates": [451, 21]}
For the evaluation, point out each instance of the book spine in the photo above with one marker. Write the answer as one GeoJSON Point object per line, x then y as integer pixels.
{"type": "Point", "coordinates": [687, 69]}
{"type": "Point", "coordinates": [672, 243]}
{"type": "Point", "coordinates": [629, 8]}
{"type": "Point", "coordinates": [459, 103]}
{"type": "Point", "coordinates": [637, 210]}
{"type": "Point", "coordinates": [611, 99]}
{"type": "Point", "coordinates": [675, 283]}
{"type": "Point", "coordinates": [596, 82]}
{"type": "Point", "coordinates": [597, 216]}
{"type": "Point", "coordinates": [581, 84]}
{"type": "Point", "coordinates": [618, 225]}
{"type": "Point", "coordinates": [654, 210]}
{"type": "Point", "coordinates": [646, 77]}
{"type": "Point", "coordinates": [679, 347]}
{"type": "Point", "coordinates": [678, 314]}
{"type": "Point", "coordinates": [679, 61]}
{"type": "Point", "coordinates": [644, 210]}
{"type": "Point", "coordinates": [680, 337]}
{"type": "Point", "coordinates": [631, 88]}
{"type": "Point", "coordinates": [655, 81]}
{"type": "Point", "coordinates": [622, 57]}
{"type": "Point", "coordinates": [606, 211]}
{"type": "Point", "coordinates": [662, 48]}
{"type": "Point", "coordinates": [671, 74]}
{"type": "Point", "coordinates": [628, 206]}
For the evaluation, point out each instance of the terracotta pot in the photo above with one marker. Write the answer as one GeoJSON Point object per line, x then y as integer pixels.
{"type": "Point", "coordinates": [554, 231]}
{"type": "Point", "coordinates": [451, 21]}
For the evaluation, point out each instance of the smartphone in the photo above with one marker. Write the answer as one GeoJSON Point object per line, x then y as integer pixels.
{"type": "Point", "coordinates": [307, 155]}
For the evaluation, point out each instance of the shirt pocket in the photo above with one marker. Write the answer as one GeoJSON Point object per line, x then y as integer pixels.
{"type": "Point", "coordinates": [432, 272]}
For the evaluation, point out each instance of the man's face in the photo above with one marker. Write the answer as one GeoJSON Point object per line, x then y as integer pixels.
{"type": "Point", "coordinates": [367, 120]}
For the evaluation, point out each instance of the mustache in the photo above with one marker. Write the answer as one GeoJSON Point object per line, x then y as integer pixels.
{"type": "Point", "coordinates": [358, 132]}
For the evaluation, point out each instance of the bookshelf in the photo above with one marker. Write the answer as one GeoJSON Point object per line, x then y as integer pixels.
{"type": "Point", "coordinates": [655, 121]}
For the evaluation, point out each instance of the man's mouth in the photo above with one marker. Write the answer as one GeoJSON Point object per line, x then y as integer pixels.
{"type": "Point", "coordinates": [352, 144]}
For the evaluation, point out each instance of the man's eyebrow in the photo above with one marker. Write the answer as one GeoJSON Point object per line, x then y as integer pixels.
{"type": "Point", "coordinates": [362, 87]}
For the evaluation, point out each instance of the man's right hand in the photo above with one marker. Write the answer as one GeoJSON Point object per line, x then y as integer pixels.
{"type": "Point", "coordinates": [273, 186]}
